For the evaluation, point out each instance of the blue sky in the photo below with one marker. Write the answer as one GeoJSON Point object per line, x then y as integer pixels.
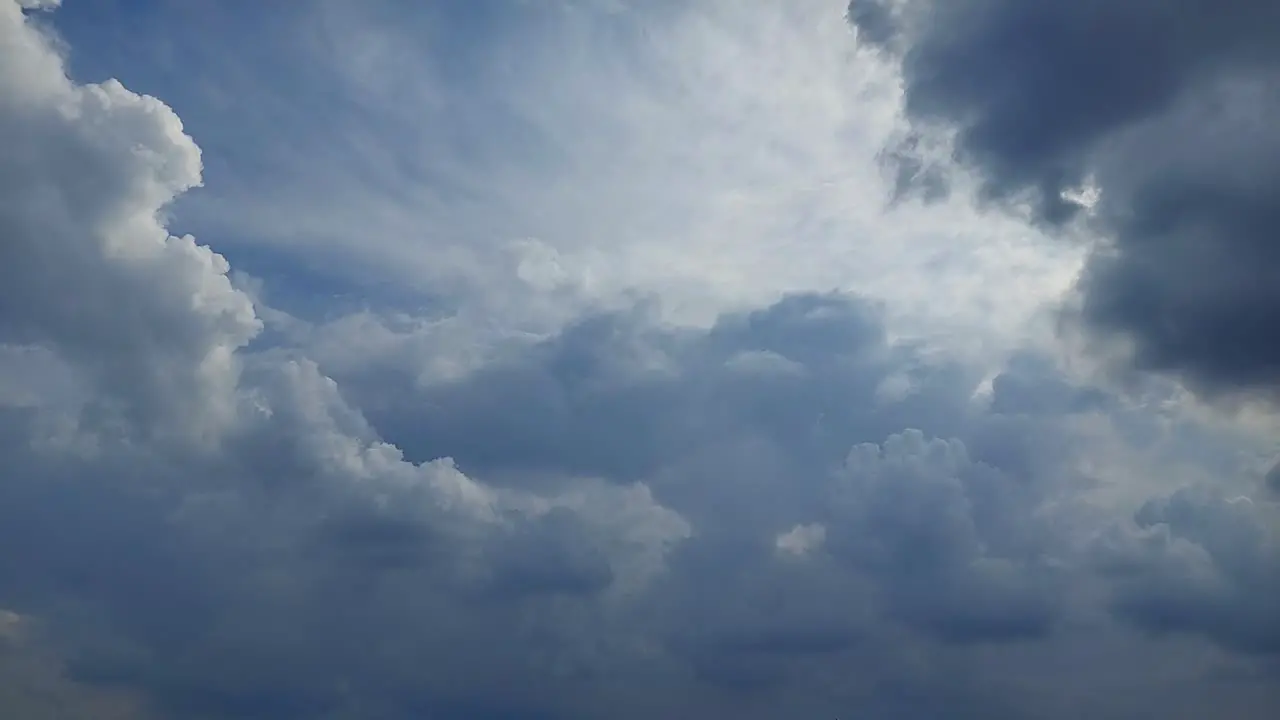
{"type": "Point", "coordinates": [596, 358]}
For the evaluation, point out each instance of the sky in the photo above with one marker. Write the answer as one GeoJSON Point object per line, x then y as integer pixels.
{"type": "Point", "coordinates": [561, 359]}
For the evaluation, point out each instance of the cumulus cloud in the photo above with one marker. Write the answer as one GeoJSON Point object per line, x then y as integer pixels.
{"type": "Point", "coordinates": [1166, 110]}
{"type": "Point", "coordinates": [788, 510]}
{"type": "Point", "coordinates": [152, 317]}
{"type": "Point", "coordinates": [1201, 561]}
{"type": "Point", "coordinates": [945, 536]}
{"type": "Point", "coordinates": [833, 523]}
{"type": "Point", "coordinates": [153, 542]}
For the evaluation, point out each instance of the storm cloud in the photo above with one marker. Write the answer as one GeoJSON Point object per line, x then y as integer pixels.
{"type": "Point", "coordinates": [212, 509]}
{"type": "Point", "coordinates": [1168, 111]}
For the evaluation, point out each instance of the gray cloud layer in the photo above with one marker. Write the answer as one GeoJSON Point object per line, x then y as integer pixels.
{"type": "Point", "coordinates": [1168, 108]}
{"type": "Point", "coordinates": [786, 514]}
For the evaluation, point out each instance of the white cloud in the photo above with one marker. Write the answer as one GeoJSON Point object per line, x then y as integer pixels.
{"type": "Point", "coordinates": [157, 333]}
{"type": "Point", "coordinates": [89, 271]}
{"type": "Point", "coordinates": [801, 539]}
{"type": "Point", "coordinates": [716, 154]}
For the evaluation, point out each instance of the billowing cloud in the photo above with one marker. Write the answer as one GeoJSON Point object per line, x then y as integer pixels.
{"type": "Point", "coordinates": [212, 509]}
{"type": "Point", "coordinates": [151, 317]}
{"type": "Point", "coordinates": [848, 496]}
{"type": "Point", "coordinates": [1200, 560]}
{"type": "Point", "coordinates": [1166, 111]}
{"type": "Point", "coordinates": [193, 494]}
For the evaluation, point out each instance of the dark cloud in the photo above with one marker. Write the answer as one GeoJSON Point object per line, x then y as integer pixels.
{"type": "Point", "coordinates": [547, 556]}
{"type": "Point", "coordinates": [786, 514]}
{"type": "Point", "coordinates": [1029, 385]}
{"type": "Point", "coordinates": [33, 683]}
{"type": "Point", "coordinates": [940, 533]}
{"type": "Point", "coordinates": [1200, 562]}
{"type": "Point", "coordinates": [304, 556]}
{"type": "Point", "coordinates": [617, 394]}
{"type": "Point", "coordinates": [1168, 108]}
{"type": "Point", "coordinates": [945, 539]}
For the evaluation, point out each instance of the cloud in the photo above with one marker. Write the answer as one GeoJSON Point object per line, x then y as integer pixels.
{"type": "Point", "coordinates": [931, 524]}
{"type": "Point", "coordinates": [216, 510]}
{"type": "Point", "coordinates": [33, 686]}
{"type": "Point", "coordinates": [143, 312]}
{"type": "Point", "coordinates": [195, 494]}
{"type": "Point", "coordinates": [801, 539]}
{"type": "Point", "coordinates": [664, 149]}
{"type": "Point", "coordinates": [1166, 110]}
{"type": "Point", "coordinates": [822, 530]}
{"type": "Point", "coordinates": [1204, 562]}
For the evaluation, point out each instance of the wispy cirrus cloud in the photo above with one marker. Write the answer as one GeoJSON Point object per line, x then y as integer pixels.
{"type": "Point", "coordinates": [546, 159]}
